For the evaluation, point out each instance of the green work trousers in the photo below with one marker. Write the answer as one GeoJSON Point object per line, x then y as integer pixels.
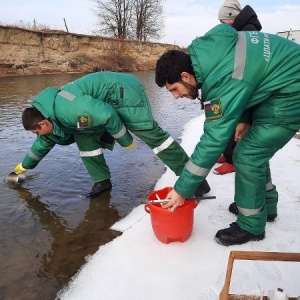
{"type": "Point", "coordinates": [91, 150]}
{"type": "Point", "coordinates": [255, 195]}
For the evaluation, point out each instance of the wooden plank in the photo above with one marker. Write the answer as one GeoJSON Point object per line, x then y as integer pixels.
{"type": "Point", "coordinates": [253, 255]}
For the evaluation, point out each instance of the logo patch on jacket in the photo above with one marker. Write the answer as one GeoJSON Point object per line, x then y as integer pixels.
{"type": "Point", "coordinates": [84, 122]}
{"type": "Point", "coordinates": [213, 109]}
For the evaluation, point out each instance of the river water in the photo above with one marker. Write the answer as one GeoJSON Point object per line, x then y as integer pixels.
{"type": "Point", "coordinates": [47, 226]}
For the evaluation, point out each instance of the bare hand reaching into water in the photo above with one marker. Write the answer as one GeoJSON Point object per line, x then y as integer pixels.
{"type": "Point", "coordinates": [241, 130]}
{"type": "Point", "coordinates": [175, 200]}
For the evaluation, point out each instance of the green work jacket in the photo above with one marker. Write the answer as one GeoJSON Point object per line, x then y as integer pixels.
{"type": "Point", "coordinates": [93, 104]}
{"type": "Point", "coordinates": [238, 72]}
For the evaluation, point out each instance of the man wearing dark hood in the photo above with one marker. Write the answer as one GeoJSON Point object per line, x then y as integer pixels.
{"type": "Point", "coordinates": [240, 19]}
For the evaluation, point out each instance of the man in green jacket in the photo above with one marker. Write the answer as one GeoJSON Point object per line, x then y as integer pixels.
{"type": "Point", "coordinates": [95, 111]}
{"type": "Point", "coordinates": [237, 72]}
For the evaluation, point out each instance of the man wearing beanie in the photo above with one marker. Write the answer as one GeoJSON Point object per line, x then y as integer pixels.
{"type": "Point", "coordinates": [229, 10]}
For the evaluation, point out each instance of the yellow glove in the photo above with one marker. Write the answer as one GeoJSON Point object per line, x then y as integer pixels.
{"type": "Point", "coordinates": [132, 145]}
{"type": "Point", "coordinates": [19, 169]}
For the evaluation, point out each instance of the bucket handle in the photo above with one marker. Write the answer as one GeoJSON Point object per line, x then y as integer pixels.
{"type": "Point", "coordinates": [147, 208]}
{"type": "Point", "coordinates": [196, 203]}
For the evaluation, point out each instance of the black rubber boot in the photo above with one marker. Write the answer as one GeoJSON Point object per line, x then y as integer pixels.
{"type": "Point", "coordinates": [234, 210]}
{"type": "Point", "coordinates": [99, 187]}
{"type": "Point", "coordinates": [202, 189]}
{"type": "Point", "coordinates": [234, 235]}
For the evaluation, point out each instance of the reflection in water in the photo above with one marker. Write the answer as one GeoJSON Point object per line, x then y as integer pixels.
{"type": "Point", "coordinates": [69, 247]}
{"type": "Point", "coordinates": [47, 227]}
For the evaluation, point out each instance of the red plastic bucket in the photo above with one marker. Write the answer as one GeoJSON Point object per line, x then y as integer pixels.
{"type": "Point", "coordinates": [169, 226]}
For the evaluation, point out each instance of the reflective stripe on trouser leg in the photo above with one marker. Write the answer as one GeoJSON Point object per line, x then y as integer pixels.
{"type": "Point", "coordinates": [92, 156]}
{"type": "Point", "coordinates": [271, 194]}
{"type": "Point", "coordinates": [250, 158]}
{"type": "Point", "coordinates": [171, 154]}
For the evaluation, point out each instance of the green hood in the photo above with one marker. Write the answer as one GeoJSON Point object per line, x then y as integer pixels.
{"type": "Point", "coordinates": [208, 67]}
{"type": "Point", "coordinates": [46, 107]}
{"type": "Point", "coordinates": [44, 102]}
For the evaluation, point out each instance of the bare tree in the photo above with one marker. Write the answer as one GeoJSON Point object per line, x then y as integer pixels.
{"type": "Point", "coordinates": [125, 19]}
{"type": "Point", "coordinates": [148, 19]}
{"type": "Point", "coordinates": [114, 17]}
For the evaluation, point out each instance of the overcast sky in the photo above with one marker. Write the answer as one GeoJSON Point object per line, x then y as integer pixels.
{"type": "Point", "coordinates": [184, 19]}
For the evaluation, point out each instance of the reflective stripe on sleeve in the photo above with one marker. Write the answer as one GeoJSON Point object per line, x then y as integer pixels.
{"type": "Point", "coordinates": [66, 95]}
{"type": "Point", "coordinates": [269, 186]}
{"type": "Point", "coordinates": [120, 133]}
{"type": "Point", "coordinates": [33, 156]}
{"type": "Point", "coordinates": [195, 170]}
{"type": "Point", "coordinates": [164, 145]}
{"type": "Point", "coordinates": [240, 57]}
{"type": "Point", "coordinates": [91, 153]}
{"type": "Point", "coordinates": [249, 212]}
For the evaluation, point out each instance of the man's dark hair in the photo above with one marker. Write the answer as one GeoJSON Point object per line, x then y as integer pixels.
{"type": "Point", "coordinates": [31, 117]}
{"type": "Point", "coordinates": [170, 66]}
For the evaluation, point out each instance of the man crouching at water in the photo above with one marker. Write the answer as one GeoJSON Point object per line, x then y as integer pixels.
{"type": "Point", "coordinates": [237, 72]}
{"type": "Point", "coordinates": [94, 111]}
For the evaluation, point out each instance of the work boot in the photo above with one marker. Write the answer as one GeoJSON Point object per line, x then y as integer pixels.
{"type": "Point", "coordinates": [202, 189]}
{"type": "Point", "coordinates": [234, 235]}
{"type": "Point", "coordinates": [234, 210]}
{"type": "Point", "coordinates": [221, 159]}
{"type": "Point", "coordinates": [99, 187]}
{"type": "Point", "coordinates": [225, 168]}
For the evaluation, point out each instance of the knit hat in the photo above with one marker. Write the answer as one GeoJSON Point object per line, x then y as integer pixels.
{"type": "Point", "coordinates": [229, 10]}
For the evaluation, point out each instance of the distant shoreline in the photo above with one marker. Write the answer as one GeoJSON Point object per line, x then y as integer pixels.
{"type": "Point", "coordinates": [29, 52]}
